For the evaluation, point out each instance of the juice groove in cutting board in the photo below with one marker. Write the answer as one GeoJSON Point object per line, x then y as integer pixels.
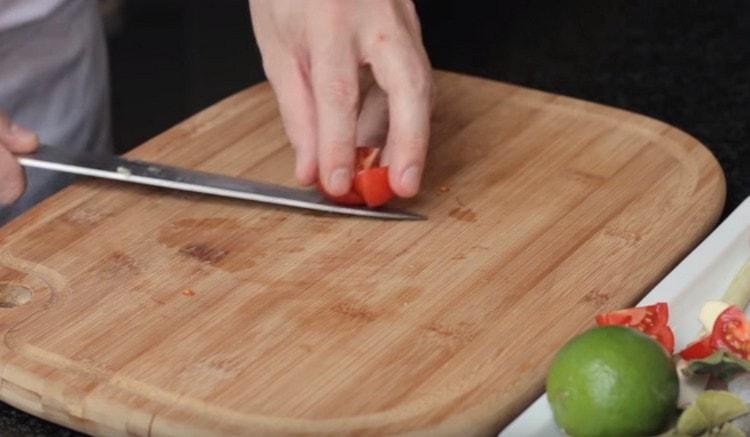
{"type": "Point", "coordinates": [153, 312]}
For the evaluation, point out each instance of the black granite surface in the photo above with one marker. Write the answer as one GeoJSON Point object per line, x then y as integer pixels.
{"type": "Point", "coordinates": [685, 62]}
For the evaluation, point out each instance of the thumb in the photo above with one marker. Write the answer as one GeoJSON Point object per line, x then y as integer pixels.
{"type": "Point", "coordinates": [17, 139]}
{"type": "Point", "coordinates": [12, 178]}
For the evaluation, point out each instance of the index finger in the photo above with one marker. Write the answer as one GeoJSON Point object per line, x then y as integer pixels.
{"type": "Point", "coordinates": [336, 90]}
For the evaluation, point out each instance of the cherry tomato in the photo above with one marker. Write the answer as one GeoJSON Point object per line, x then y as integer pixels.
{"type": "Point", "coordinates": [370, 185]}
{"type": "Point", "coordinates": [651, 320]}
{"type": "Point", "coordinates": [665, 336]}
{"type": "Point", "coordinates": [644, 319]}
{"type": "Point", "coordinates": [732, 333]}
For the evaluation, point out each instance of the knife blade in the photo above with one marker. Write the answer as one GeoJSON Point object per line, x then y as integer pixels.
{"type": "Point", "coordinates": [157, 175]}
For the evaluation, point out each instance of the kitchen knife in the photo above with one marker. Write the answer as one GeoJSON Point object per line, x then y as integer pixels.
{"type": "Point", "coordinates": [147, 173]}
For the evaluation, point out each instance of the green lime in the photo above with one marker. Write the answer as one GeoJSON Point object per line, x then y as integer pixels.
{"type": "Point", "coordinates": [612, 381]}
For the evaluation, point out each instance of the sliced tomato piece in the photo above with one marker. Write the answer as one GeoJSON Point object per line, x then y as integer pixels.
{"type": "Point", "coordinates": [370, 185]}
{"type": "Point", "coordinates": [665, 336]}
{"type": "Point", "coordinates": [698, 349]}
{"type": "Point", "coordinates": [732, 333]}
{"type": "Point", "coordinates": [620, 317]}
{"type": "Point", "coordinates": [651, 320]}
{"type": "Point", "coordinates": [373, 187]}
{"type": "Point", "coordinates": [645, 319]}
{"type": "Point", "coordinates": [351, 198]}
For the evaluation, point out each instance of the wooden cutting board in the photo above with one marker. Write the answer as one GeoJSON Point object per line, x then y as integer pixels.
{"type": "Point", "coordinates": [149, 312]}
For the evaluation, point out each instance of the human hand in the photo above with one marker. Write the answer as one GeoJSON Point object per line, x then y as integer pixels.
{"type": "Point", "coordinates": [13, 140]}
{"type": "Point", "coordinates": [348, 73]}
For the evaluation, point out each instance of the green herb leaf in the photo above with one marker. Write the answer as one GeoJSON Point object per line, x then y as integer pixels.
{"type": "Point", "coordinates": [693, 421]}
{"type": "Point", "coordinates": [721, 406]}
{"type": "Point", "coordinates": [719, 365]}
{"type": "Point", "coordinates": [711, 414]}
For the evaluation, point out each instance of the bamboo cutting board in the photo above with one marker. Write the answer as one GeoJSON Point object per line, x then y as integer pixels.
{"type": "Point", "coordinates": [137, 311]}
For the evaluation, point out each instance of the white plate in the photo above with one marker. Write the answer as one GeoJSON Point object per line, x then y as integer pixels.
{"type": "Point", "coordinates": [703, 275]}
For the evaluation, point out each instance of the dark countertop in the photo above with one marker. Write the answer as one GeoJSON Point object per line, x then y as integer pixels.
{"type": "Point", "coordinates": [684, 62]}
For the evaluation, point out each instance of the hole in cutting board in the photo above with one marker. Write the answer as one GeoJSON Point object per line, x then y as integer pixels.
{"type": "Point", "coordinates": [13, 295]}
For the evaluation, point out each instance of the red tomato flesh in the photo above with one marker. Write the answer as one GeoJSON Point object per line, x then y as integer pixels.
{"type": "Point", "coordinates": [732, 333]}
{"type": "Point", "coordinates": [698, 349]}
{"type": "Point", "coordinates": [665, 336]}
{"type": "Point", "coordinates": [370, 185]}
{"type": "Point", "coordinates": [641, 318]}
{"type": "Point", "coordinates": [651, 320]}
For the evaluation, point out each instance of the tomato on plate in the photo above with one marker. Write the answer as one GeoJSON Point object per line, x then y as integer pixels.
{"type": "Point", "coordinates": [641, 318]}
{"type": "Point", "coordinates": [651, 320]}
{"type": "Point", "coordinates": [665, 336]}
{"type": "Point", "coordinates": [370, 185]}
{"type": "Point", "coordinates": [732, 333]}
{"type": "Point", "coordinates": [698, 349]}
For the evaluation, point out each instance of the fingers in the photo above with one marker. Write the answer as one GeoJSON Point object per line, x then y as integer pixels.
{"type": "Point", "coordinates": [16, 138]}
{"type": "Point", "coordinates": [13, 140]}
{"type": "Point", "coordinates": [404, 74]}
{"type": "Point", "coordinates": [335, 83]}
{"type": "Point", "coordinates": [312, 53]}
{"type": "Point", "coordinates": [372, 123]}
{"type": "Point", "coordinates": [12, 178]}
{"type": "Point", "coordinates": [287, 72]}
{"type": "Point", "coordinates": [298, 113]}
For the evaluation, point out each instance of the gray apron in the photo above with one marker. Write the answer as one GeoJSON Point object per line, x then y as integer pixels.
{"type": "Point", "coordinates": [54, 81]}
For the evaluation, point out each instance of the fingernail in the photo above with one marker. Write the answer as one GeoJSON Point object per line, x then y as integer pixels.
{"type": "Point", "coordinates": [21, 133]}
{"type": "Point", "coordinates": [410, 178]}
{"type": "Point", "coordinates": [339, 181]}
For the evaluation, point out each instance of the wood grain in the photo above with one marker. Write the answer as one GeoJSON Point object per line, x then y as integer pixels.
{"type": "Point", "coordinates": [162, 313]}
